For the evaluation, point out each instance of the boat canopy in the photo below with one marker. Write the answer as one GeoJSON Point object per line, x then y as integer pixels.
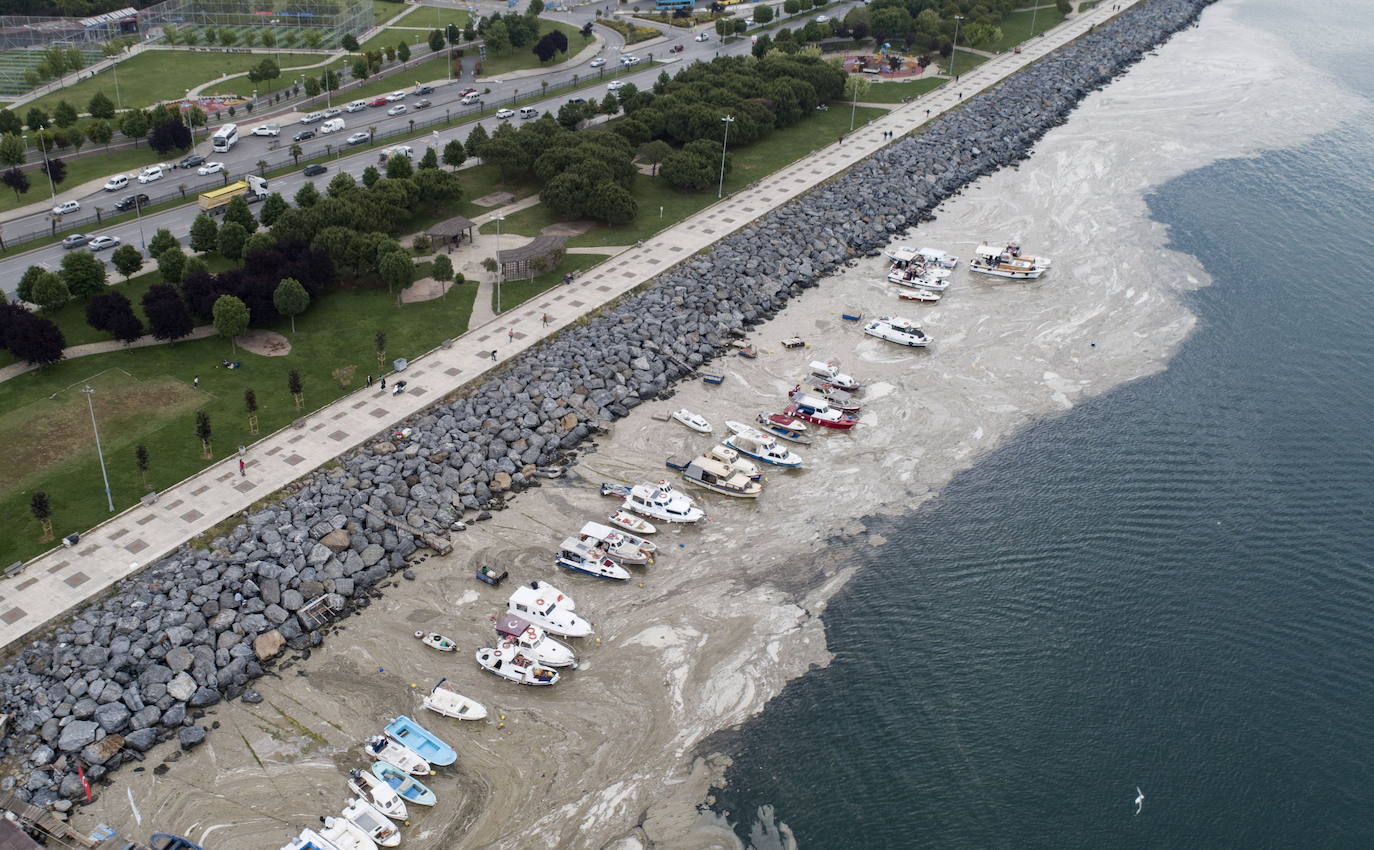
{"type": "Point", "coordinates": [711, 466]}
{"type": "Point", "coordinates": [511, 625]}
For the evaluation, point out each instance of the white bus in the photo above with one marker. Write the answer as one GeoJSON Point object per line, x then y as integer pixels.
{"type": "Point", "coordinates": [225, 138]}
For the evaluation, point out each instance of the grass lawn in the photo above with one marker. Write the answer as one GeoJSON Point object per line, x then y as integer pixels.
{"type": "Point", "coordinates": [894, 92]}
{"type": "Point", "coordinates": [966, 61]}
{"type": "Point", "coordinates": [632, 33]}
{"type": "Point", "coordinates": [383, 11]}
{"type": "Point", "coordinates": [480, 181]}
{"type": "Point", "coordinates": [1016, 27]}
{"type": "Point", "coordinates": [521, 58]}
{"type": "Point", "coordinates": [391, 37]}
{"type": "Point", "coordinates": [517, 292]}
{"type": "Point", "coordinates": [166, 74]}
{"type": "Point", "coordinates": [427, 71]}
{"type": "Point", "coordinates": [435, 18]}
{"type": "Point", "coordinates": [81, 169]}
{"type": "Point", "coordinates": [781, 148]}
{"type": "Point", "coordinates": [146, 396]}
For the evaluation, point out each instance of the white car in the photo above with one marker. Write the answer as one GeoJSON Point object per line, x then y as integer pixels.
{"type": "Point", "coordinates": [749, 22]}
{"type": "Point", "coordinates": [210, 168]}
{"type": "Point", "coordinates": [266, 130]}
{"type": "Point", "coordinates": [505, 113]}
{"type": "Point", "coordinates": [151, 173]}
{"type": "Point", "coordinates": [356, 106]}
{"type": "Point", "coordinates": [820, 19]}
{"type": "Point", "coordinates": [702, 36]}
{"type": "Point", "coordinates": [312, 117]}
{"type": "Point", "coordinates": [333, 112]}
{"type": "Point", "coordinates": [598, 62]}
{"type": "Point", "coordinates": [100, 243]}
{"type": "Point", "coordinates": [72, 206]}
{"type": "Point", "coordinates": [399, 150]}
{"type": "Point", "coordinates": [398, 109]}
{"type": "Point", "coordinates": [114, 184]}
{"type": "Point", "coordinates": [629, 59]}
{"type": "Point", "coordinates": [359, 138]}
{"type": "Point", "coordinates": [395, 96]}
{"type": "Point", "coordinates": [615, 85]}
{"type": "Point", "coordinates": [470, 98]}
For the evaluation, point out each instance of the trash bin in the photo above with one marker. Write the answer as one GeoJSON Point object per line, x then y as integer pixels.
{"type": "Point", "coordinates": [399, 364]}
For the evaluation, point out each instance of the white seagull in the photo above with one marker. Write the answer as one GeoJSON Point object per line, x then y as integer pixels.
{"type": "Point", "coordinates": [1139, 799]}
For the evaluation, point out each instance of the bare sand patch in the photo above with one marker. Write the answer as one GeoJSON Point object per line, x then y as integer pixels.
{"type": "Point", "coordinates": [424, 289]}
{"type": "Point", "coordinates": [495, 199]}
{"type": "Point", "coordinates": [264, 343]}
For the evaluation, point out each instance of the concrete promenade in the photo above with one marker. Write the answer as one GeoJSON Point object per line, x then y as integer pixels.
{"type": "Point", "coordinates": [63, 578]}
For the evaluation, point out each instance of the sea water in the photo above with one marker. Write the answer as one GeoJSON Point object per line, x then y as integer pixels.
{"type": "Point", "coordinates": [1170, 586]}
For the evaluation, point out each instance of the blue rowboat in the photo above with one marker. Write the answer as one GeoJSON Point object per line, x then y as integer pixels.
{"type": "Point", "coordinates": [408, 787]}
{"type": "Point", "coordinates": [408, 733]}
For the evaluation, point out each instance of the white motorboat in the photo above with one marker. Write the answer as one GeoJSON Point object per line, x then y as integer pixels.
{"type": "Point", "coordinates": [382, 748]}
{"type": "Point", "coordinates": [444, 699]}
{"type": "Point", "coordinates": [534, 642]}
{"type": "Point", "coordinates": [660, 501]}
{"type": "Point", "coordinates": [692, 420]}
{"type": "Point", "coordinates": [620, 546]}
{"type": "Point", "coordinates": [919, 277]}
{"type": "Point", "coordinates": [345, 835]}
{"type": "Point", "coordinates": [436, 641]}
{"type": "Point", "coordinates": [548, 608]}
{"type": "Point", "coordinates": [578, 556]}
{"type": "Point", "coordinates": [511, 663]}
{"type": "Point", "coordinates": [630, 522]}
{"type": "Point", "coordinates": [377, 794]}
{"type": "Point", "coordinates": [898, 330]}
{"type": "Point", "coordinates": [831, 374]}
{"type": "Point", "coordinates": [833, 395]}
{"type": "Point", "coordinates": [711, 474]}
{"type": "Point", "coordinates": [924, 296]}
{"type": "Point", "coordinates": [933, 257]}
{"type": "Point", "coordinates": [309, 839]}
{"type": "Point", "coordinates": [731, 458]}
{"type": "Point", "coordinates": [785, 427]}
{"type": "Point", "coordinates": [750, 441]}
{"type": "Point", "coordinates": [377, 825]}
{"type": "Point", "coordinates": [1008, 262]}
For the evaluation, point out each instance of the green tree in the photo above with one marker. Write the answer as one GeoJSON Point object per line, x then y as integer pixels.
{"type": "Point", "coordinates": [295, 152]}
{"type": "Point", "coordinates": [454, 154]}
{"type": "Point", "coordinates": [27, 282]}
{"type": "Point", "coordinates": [42, 511]}
{"type": "Point", "coordinates": [535, 9]}
{"type": "Point", "coordinates": [204, 234]}
{"type": "Point", "coordinates": [342, 184]}
{"type": "Point", "coordinates": [653, 152]}
{"type": "Point", "coordinates": [230, 318]}
{"type": "Point", "coordinates": [204, 434]}
{"type": "Point", "coordinates": [64, 114]}
{"type": "Point", "coordinates": [194, 265]}
{"type": "Point", "coordinates": [50, 291]}
{"type": "Point", "coordinates": [232, 237]}
{"type": "Point", "coordinates": [37, 119]}
{"type": "Point", "coordinates": [100, 132]}
{"type": "Point", "coordinates": [436, 41]}
{"type": "Point", "coordinates": [261, 241]}
{"type": "Point", "coordinates": [161, 241]}
{"type": "Point", "coordinates": [791, 7]}
{"type": "Point", "coordinates": [498, 39]}
{"type": "Point", "coordinates": [272, 208]}
{"type": "Point", "coordinates": [171, 263]}
{"type": "Point", "coordinates": [360, 69]}
{"type": "Point", "coordinates": [403, 52]}
{"type": "Point", "coordinates": [370, 176]}
{"type": "Point", "coordinates": [477, 139]}
{"type": "Point", "coordinates": [398, 167]}
{"type": "Point", "coordinates": [612, 203]}
{"type": "Point", "coordinates": [430, 159]}
{"type": "Point", "coordinates": [237, 212]}
{"type": "Point", "coordinates": [10, 123]}
{"type": "Point", "coordinates": [268, 39]}
{"type": "Point", "coordinates": [307, 196]}
{"type": "Point", "coordinates": [127, 260]}
{"type": "Point", "coordinates": [349, 43]}
{"type": "Point", "coordinates": [13, 151]}
{"type": "Point", "coordinates": [290, 299]}
{"type": "Point", "coordinates": [83, 274]}
{"type": "Point", "coordinates": [134, 125]}
{"type": "Point", "coordinates": [763, 13]}
{"type": "Point", "coordinates": [312, 87]}
{"type": "Point", "coordinates": [397, 270]}
{"type": "Point", "coordinates": [442, 270]}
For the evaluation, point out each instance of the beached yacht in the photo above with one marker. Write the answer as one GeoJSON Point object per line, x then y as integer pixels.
{"type": "Point", "coordinates": [578, 556]}
{"type": "Point", "coordinates": [1008, 262]}
{"type": "Point", "coordinates": [534, 641]}
{"type": "Point", "coordinates": [785, 427]}
{"type": "Point", "coordinates": [695, 421]}
{"type": "Point", "coordinates": [898, 330]}
{"type": "Point", "coordinates": [660, 501]}
{"type": "Point", "coordinates": [830, 373]}
{"type": "Point", "coordinates": [711, 474]}
{"type": "Point", "coordinates": [833, 395]}
{"type": "Point", "coordinates": [732, 459]}
{"type": "Point", "coordinates": [821, 414]}
{"type": "Point", "coordinates": [630, 522]}
{"type": "Point", "coordinates": [510, 663]}
{"type": "Point", "coordinates": [444, 699]}
{"type": "Point", "coordinates": [377, 825]}
{"type": "Point", "coordinates": [920, 277]}
{"type": "Point", "coordinates": [548, 608]}
{"type": "Point", "coordinates": [933, 257]}
{"type": "Point", "coordinates": [620, 546]}
{"type": "Point", "coordinates": [750, 441]}
{"type": "Point", "coordinates": [922, 296]}
{"type": "Point", "coordinates": [410, 789]}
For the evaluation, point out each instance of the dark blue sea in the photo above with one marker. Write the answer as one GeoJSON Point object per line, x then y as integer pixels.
{"type": "Point", "coordinates": [1170, 586]}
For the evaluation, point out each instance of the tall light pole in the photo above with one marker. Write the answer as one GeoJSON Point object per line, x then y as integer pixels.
{"type": "Point", "coordinates": [500, 266]}
{"type": "Point", "coordinates": [119, 101]}
{"type": "Point", "coordinates": [138, 213]}
{"type": "Point", "coordinates": [954, 51]}
{"type": "Point", "coordinates": [46, 170]}
{"type": "Point", "coordinates": [100, 454]}
{"type": "Point", "coordinates": [1034, 9]}
{"type": "Point", "coordinates": [853, 102]}
{"type": "Point", "coordinates": [727, 120]}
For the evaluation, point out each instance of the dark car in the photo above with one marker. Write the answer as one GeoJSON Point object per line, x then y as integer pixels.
{"type": "Point", "coordinates": [314, 170]}
{"type": "Point", "coordinates": [422, 104]}
{"type": "Point", "coordinates": [191, 161]}
{"type": "Point", "coordinates": [128, 202]}
{"type": "Point", "coordinates": [303, 135]}
{"type": "Point", "coordinates": [424, 90]}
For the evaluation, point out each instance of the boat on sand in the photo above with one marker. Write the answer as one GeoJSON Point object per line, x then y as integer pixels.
{"type": "Point", "coordinates": [444, 699]}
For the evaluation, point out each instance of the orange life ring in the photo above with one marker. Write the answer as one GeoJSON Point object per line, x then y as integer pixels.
{"type": "Point", "coordinates": [530, 631]}
{"type": "Point", "coordinates": [538, 602]}
{"type": "Point", "coordinates": [496, 652]}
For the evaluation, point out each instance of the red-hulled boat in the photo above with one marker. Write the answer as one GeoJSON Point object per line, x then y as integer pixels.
{"type": "Point", "coordinates": [826, 416]}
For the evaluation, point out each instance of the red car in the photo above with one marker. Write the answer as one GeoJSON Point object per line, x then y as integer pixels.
{"type": "Point", "coordinates": [381, 101]}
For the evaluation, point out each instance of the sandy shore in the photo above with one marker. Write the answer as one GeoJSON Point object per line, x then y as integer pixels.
{"type": "Point", "coordinates": [704, 638]}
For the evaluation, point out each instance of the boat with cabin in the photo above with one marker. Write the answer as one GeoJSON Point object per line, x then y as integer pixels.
{"type": "Point", "coordinates": [660, 501]}
{"type": "Point", "coordinates": [821, 414]}
{"type": "Point", "coordinates": [407, 787]}
{"type": "Point", "coordinates": [578, 556]}
{"type": "Point", "coordinates": [510, 663]}
{"type": "Point", "coordinates": [784, 428]}
{"type": "Point", "coordinates": [630, 522]}
{"type": "Point", "coordinates": [444, 699]}
{"type": "Point", "coordinates": [345, 835]}
{"type": "Point", "coordinates": [377, 825]}
{"type": "Point", "coordinates": [831, 374]}
{"type": "Point", "coordinates": [309, 839]}
{"type": "Point", "coordinates": [711, 474]}
{"type": "Point", "coordinates": [407, 732]}
{"type": "Point", "coordinates": [377, 794]}
{"type": "Point", "coordinates": [732, 459]}
{"type": "Point", "coordinates": [833, 395]}
{"type": "Point", "coordinates": [1008, 262]}
{"type": "Point", "coordinates": [920, 296]}
{"type": "Point", "coordinates": [748, 440]}
{"type": "Point", "coordinates": [534, 642]}
{"type": "Point", "coordinates": [620, 546]}
{"type": "Point", "coordinates": [898, 330]}
{"type": "Point", "coordinates": [383, 748]}
{"type": "Point", "coordinates": [548, 608]}
{"type": "Point", "coordinates": [934, 257]}
{"type": "Point", "coordinates": [695, 421]}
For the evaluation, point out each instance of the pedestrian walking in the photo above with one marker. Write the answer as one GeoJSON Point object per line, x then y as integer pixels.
{"type": "Point", "coordinates": [546, 320]}
{"type": "Point", "coordinates": [195, 382]}
{"type": "Point", "coordinates": [369, 381]}
{"type": "Point", "coordinates": [384, 382]}
{"type": "Point", "coordinates": [241, 468]}
{"type": "Point", "coordinates": [493, 355]}
{"type": "Point", "coordinates": [510, 335]}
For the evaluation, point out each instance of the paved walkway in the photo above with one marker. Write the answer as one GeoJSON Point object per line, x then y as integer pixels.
{"type": "Point", "coordinates": [14, 370]}
{"type": "Point", "coordinates": [58, 580]}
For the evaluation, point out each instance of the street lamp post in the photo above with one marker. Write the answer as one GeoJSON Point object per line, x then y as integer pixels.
{"type": "Point", "coordinates": [46, 170]}
{"type": "Point", "coordinates": [1034, 9]}
{"type": "Point", "coordinates": [954, 51]}
{"type": "Point", "coordinates": [853, 102]}
{"type": "Point", "coordinates": [98, 453]}
{"type": "Point", "coordinates": [727, 121]}
{"type": "Point", "coordinates": [138, 213]}
{"type": "Point", "coordinates": [500, 267]}
{"type": "Point", "coordinates": [119, 101]}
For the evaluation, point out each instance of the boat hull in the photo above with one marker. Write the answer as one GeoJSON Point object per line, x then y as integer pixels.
{"type": "Point", "coordinates": [1031, 274]}
{"type": "Point", "coordinates": [843, 424]}
{"type": "Point", "coordinates": [407, 787]}
{"type": "Point", "coordinates": [595, 570]}
{"type": "Point", "coordinates": [630, 522]}
{"type": "Point", "coordinates": [408, 733]}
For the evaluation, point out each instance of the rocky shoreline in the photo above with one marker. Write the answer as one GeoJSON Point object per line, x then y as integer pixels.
{"type": "Point", "coordinates": [141, 666]}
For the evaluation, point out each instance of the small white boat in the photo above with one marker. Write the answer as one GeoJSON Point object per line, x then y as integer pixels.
{"type": "Point", "coordinates": [534, 642]}
{"type": "Point", "coordinates": [924, 296]}
{"type": "Point", "coordinates": [443, 699]}
{"type": "Point", "coordinates": [831, 374]}
{"type": "Point", "coordinates": [933, 257]}
{"type": "Point", "coordinates": [345, 835]}
{"type": "Point", "coordinates": [548, 608]}
{"type": "Point", "coordinates": [711, 474]}
{"type": "Point", "coordinates": [1008, 262]}
{"type": "Point", "coordinates": [898, 330]}
{"type": "Point", "coordinates": [309, 839]}
{"type": "Point", "coordinates": [510, 663]}
{"type": "Point", "coordinates": [377, 794]}
{"type": "Point", "coordinates": [436, 641]}
{"type": "Point", "coordinates": [660, 501]}
{"type": "Point", "coordinates": [377, 825]}
{"type": "Point", "coordinates": [630, 522]}
{"type": "Point", "coordinates": [383, 748]}
{"type": "Point", "coordinates": [919, 277]}
{"type": "Point", "coordinates": [620, 546]}
{"type": "Point", "coordinates": [692, 420]}
{"type": "Point", "coordinates": [750, 441]}
{"type": "Point", "coordinates": [785, 427]}
{"type": "Point", "coordinates": [408, 787]}
{"type": "Point", "coordinates": [578, 556]}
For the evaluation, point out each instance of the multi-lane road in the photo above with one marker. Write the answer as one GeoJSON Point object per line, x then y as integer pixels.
{"type": "Point", "coordinates": [250, 149]}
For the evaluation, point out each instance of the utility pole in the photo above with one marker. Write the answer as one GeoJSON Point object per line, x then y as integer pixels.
{"type": "Point", "coordinates": [727, 120]}
{"type": "Point", "coordinates": [89, 391]}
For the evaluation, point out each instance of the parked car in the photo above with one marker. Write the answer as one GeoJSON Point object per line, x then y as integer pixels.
{"type": "Point", "coordinates": [191, 161]}
{"type": "Point", "coordinates": [210, 168]}
{"type": "Point", "coordinates": [359, 138]}
{"type": "Point", "coordinates": [505, 113]}
{"type": "Point", "coordinates": [333, 112]}
{"type": "Point", "coordinates": [100, 243]}
{"type": "Point", "coordinates": [114, 184]}
{"type": "Point", "coordinates": [423, 103]}
{"type": "Point", "coordinates": [303, 135]}
{"type": "Point", "coordinates": [152, 172]}
{"type": "Point", "coordinates": [598, 62]}
{"type": "Point", "coordinates": [356, 106]}
{"type": "Point", "coordinates": [128, 202]}
{"type": "Point", "coordinates": [267, 130]}
{"type": "Point", "coordinates": [314, 170]}
{"type": "Point", "coordinates": [76, 240]}
{"type": "Point", "coordinates": [749, 22]}
{"type": "Point", "coordinates": [423, 90]}
{"type": "Point", "coordinates": [395, 96]}
{"type": "Point", "coordinates": [381, 101]}
{"type": "Point", "coordinates": [398, 109]}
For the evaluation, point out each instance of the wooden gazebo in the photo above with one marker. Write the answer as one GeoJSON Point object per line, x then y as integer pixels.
{"type": "Point", "coordinates": [542, 255]}
{"type": "Point", "coordinates": [451, 231]}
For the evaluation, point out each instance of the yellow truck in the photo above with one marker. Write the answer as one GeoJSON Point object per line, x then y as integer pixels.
{"type": "Point", "coordinates": [215, 201]}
